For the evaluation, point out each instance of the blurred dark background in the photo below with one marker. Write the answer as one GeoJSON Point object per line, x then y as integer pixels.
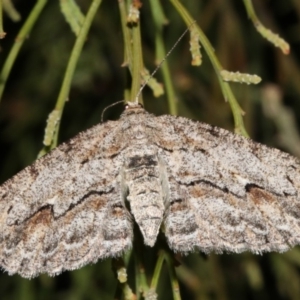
{"type": "Point", "coordinates": [272, 117]}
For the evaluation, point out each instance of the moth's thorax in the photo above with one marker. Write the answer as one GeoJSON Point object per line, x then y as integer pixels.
{"type": "Point", "coordinates": [134, 112]}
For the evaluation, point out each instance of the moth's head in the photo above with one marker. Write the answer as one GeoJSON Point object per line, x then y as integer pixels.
{"type": "Point", "coordinates": [133, 108]}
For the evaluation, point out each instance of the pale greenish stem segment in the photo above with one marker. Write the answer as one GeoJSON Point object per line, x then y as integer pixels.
{"type": "Point", "coordinates": [19, 40]}
{"type": "Point", "coordinates": [157, 270]}
{"type": "Point", "coordinates": [140, 276]}
{"type": "Point", "coordinates": [126, 34]}
{"type": "Point", "coordinates": [2, 33]}
{"type": "Point", "coordinates": [72, 14]}
{"type": "Point", "coordinates": [273, 38]}
{"type": "Point", "coordinates": [160, 20]}
{"type": "Point", "coordinates": [226, 90]}
{"type": "Point", "coordinates": [75, 54]}
{"type": "Point", "coordinates": [136, 64]}
{"type": "Point", "coordinates": [173, 277]}
{"type": "Point", "coordinates": [118, 265]}
{"type": "Point", "coordinates": [133, 57]}
{"type": "Point", "coordinates": [133, 53]}
{"type": "Point", "coordinates": [10, 10]}
{"type": "Point", "coordinates": [165, 256]}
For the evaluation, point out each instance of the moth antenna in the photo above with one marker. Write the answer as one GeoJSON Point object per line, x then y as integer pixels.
{"type": "Point", "coordinates": [163, 60]}
{"type": "Point", "coordinates": [151, 75]}
{"type": "Point", "coordinates": [109, 106]}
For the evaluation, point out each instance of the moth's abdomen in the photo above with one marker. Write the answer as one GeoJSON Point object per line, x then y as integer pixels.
{"type": "Point", "coordinates": [142, 177]}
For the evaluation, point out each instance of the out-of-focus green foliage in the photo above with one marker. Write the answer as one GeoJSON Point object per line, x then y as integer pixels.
{"type": "Point", "coordinates": [272, 116]}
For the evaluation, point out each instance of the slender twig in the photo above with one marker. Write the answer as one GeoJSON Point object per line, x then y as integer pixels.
{"type": "Point", "coordinates": [2, 33]}
{"type": "Point", "coordinates": [76, 51]}
{"type": "Point", "coordinates": [140, 276]}
{"type": "Point", "coordinates": [161, 62]}
{"type": "Point", "coordinates": [10, 10]}
{"type": "Point", "coordinates": [160, 20]}
{"type": "Point", "coordinates": [119, 267]}
{"type": "Point", "coordinates": [275, 39]}
{"type": "Point", "coordinates": [132, 53]}
{"type": "Point", "coordinates": [19, 40]}
{"type": "Point", "coordinates": [250, 10]}
{"type": "Point", "coordinates": [157, 270]}
{"type": "Point", "coordinates": [227, 93]}
{"type": "Point", "coordinates": [126, 34]}
{"type": "Point", "coordinates": [136, 63]}
{"type": "Point", "coordinates": [173, 277]}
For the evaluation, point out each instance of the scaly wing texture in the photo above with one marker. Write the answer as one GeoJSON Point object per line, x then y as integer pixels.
{"type": "Point", "coordinates": [226, 192]}
{"type": "Point", "coordinates": [221, 192]}
{"type": "Point", "coordinates": [66, 209]}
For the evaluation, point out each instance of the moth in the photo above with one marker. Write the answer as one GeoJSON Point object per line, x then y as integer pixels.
{"type": "Point", "coordinates": [206, 188]}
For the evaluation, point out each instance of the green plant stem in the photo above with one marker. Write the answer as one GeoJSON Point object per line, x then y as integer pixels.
{"type": "Point", "coordinates": [226, 90]}
{"type": "Point", "coordinates": [2, 33]}
{"type": "Point", "coordinates": [132, 54]}
{"type": "Point", "coordinates": [276, 40]}
{"type": "Point", "coordinates": [157, 12]}
{"type": "Point", "coordinates": [173, 277]}
{"type": "Point", "coordinates": [136, 63]}
{"type": "Point", "coordinates": [118, 264]}
{"type": "Point", "coordinates": [140, 276]}
{"type": "Point", "coordinates": [73, 15]}
{"type": "Point", "coordinates": [10, 10]}
{"type": "Point", "coordinates": [76, 51]}
{"type": "Point", "coordinates": [66, 85]}
{"type": "Point", "coordinates": [126, 34]}
{"type": "Point", "coordinates": [160, 20]}
{"type": "Point", "coordinates": [127, 44]}
{"type": "Point", "coordinates": [251, 12]}
{"type": "Point", "coordinates": [157, 270]}
{"type": "Point", "coordinates": [19, 40]}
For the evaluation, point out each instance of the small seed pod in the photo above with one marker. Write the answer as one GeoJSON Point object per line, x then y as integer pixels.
{"type": "Point", "coordinates": [240, 77]}
{"type": "Point", "coordinates": [151, 295]}
{"type": "Point", "coordinates": [275, 39]}
{"type": "Point", "coordinates": [195, 47]}
{"type": "Point", "coordinates": [155, 86]}
{"type": "Point", "coordinates": [134, 13]}
{"type": "Point", "coordinates": [51, 127]}
{"type": "Point", "coordinates": [122, 275]}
